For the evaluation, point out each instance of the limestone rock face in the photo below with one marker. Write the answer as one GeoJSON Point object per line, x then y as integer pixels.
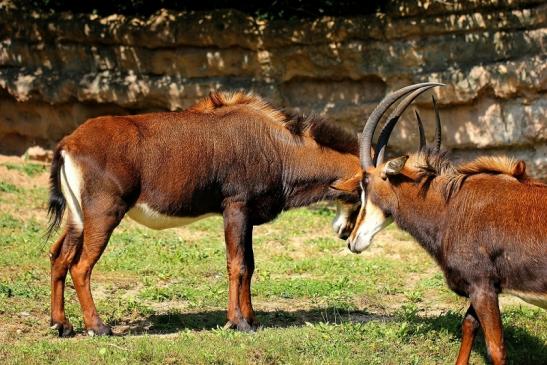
{"type": "Point", "coordinates": [58, 70]}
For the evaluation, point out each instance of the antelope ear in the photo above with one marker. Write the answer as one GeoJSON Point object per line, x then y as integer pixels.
{"type": "Point", "coordinates": [520, 169]}
{"type": "Point", "coordinates": [349, 185]}
{"type": "Point", "coordinates": [394, 166]}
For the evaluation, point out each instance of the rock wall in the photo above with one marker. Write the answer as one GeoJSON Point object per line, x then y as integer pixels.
{"type": "Point", "coordinates": [57, 70]}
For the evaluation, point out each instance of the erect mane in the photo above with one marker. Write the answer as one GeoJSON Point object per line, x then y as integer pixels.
{"type": "Point", "coordinates": [219, 99]}
{"type": "Point", "coordinates": [325, 133]}
{"type": "Point", "coordinates": [431, 165]}
{"type": "Point", "coordinates": [494, 165]}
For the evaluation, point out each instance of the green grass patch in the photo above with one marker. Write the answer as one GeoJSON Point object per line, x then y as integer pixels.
{"type": "Point", "coordinates": [27, 168]}
{"type": "Point", "coordinates": [166, 292]}
{"type": "Point", "coordinates": [6, 187]}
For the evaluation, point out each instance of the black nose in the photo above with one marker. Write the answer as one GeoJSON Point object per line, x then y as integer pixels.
{"type": "Point", "coordinates": [349, 246]}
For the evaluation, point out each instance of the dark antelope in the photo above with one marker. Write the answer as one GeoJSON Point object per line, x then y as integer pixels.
{"type": "Point", "coordinates": [231, 154]}
{"type": "Point", "coordinates": [484, 222]}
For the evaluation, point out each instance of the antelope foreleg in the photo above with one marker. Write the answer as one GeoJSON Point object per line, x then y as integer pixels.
{"type": "Point", "coordinates": [240, 265]}
{"type": "Point", "coordinates": [485, 303]}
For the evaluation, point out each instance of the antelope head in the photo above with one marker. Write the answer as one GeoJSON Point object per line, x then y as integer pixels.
{"type": "Point", "coordinates": [378, 198]}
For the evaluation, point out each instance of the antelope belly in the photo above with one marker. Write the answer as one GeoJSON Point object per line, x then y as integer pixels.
{"type": "Point", "coordinates": [150, 218]}
{"type": "Point", "coordinates": [538, 299]}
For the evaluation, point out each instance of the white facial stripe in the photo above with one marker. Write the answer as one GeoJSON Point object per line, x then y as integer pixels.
{"type": "Point", "coordinates": [343, 213]}
{"type": "Point", "coordinates": [373, 222]}
{"type": "Point", "coordinates": [71, 182]}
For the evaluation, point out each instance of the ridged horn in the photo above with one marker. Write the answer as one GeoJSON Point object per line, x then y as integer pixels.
{"type": "Point", "coordinates": [437, 141]}
{"type": "Point", "coordinates": [421, 129]}
{"type": "Point", "coordinates": [392, 120]}
{"type": "Point", "coordinates": [376, 115]}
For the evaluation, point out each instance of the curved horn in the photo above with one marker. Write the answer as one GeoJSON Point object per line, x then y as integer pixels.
{"type": "Point", "coordinates": [374, 118]}
{"type": "Point", "coordinates": [392, 121]}
{"type": "Point", "coordinates": [437, 141]}
{"type": "Point", "coordinates": [421, 129]}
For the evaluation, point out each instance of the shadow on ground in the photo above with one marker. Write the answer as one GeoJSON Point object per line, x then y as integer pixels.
{"type": "Point", "coordinates": [522, 347]}
{"type": "Point", "coordinates": [175, 322]}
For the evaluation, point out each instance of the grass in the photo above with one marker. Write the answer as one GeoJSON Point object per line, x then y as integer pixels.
{"type": "Point", "coordinates": [30, 169]}
{"type": "Point", "coordinates": [165, 294]}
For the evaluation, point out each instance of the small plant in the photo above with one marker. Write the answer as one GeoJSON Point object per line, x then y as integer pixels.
{"type": "Point", "coordinates": [414, 296]}
{"type": "Point", "coordinates": [5, 291]}
{"type": "Point", "coordinates": [6, 187]}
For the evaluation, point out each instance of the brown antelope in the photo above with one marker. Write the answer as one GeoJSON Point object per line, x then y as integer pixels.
{"type": "Point", "coordinates": [231, 154]}
{"type": "Point", "coordinates": [484, 223]}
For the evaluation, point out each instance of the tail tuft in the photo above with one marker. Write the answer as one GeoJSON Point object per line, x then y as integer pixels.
{"type": "Point", "coordinates": [57, 202]}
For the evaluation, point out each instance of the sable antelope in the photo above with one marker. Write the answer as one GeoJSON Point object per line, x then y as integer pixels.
{"type": "Point", "coordinates": [484, 222]}
{"type": "Point", "coordinates": [231, 154]}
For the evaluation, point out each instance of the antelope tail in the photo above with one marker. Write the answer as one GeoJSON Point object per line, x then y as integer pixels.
{"type": "Point", "coordinates": [57, 202]}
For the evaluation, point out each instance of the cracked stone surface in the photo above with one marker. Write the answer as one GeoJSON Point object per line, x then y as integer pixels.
{"type": "Point", "coordinates": [57, 70]}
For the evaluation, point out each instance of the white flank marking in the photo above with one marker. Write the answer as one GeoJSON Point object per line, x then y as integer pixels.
{"type": "Point", "coordinates": [71, 183]}
{"type": "Point", "coordinates": [147, 216]}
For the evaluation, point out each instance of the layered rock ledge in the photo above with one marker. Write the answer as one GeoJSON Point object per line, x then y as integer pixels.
{"type": "Point", "coordinates": [57, 70]}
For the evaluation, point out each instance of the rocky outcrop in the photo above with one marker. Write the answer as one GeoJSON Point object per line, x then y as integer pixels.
{"type": "Point", "coordinates": [58, 70]}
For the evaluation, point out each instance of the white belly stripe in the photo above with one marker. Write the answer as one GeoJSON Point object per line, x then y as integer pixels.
{"type": "Point", "coordinates": [147, 216]}
{"type": "Point", "coordinates": [539, 299]}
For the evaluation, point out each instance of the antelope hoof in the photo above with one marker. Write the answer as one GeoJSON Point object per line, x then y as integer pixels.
{"type": "Point", "coordinates": [101, 330]}
{"type": "Point", "coordinates": [63, 329]}
{"type": "Point", "coordinates": [242, 326]}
